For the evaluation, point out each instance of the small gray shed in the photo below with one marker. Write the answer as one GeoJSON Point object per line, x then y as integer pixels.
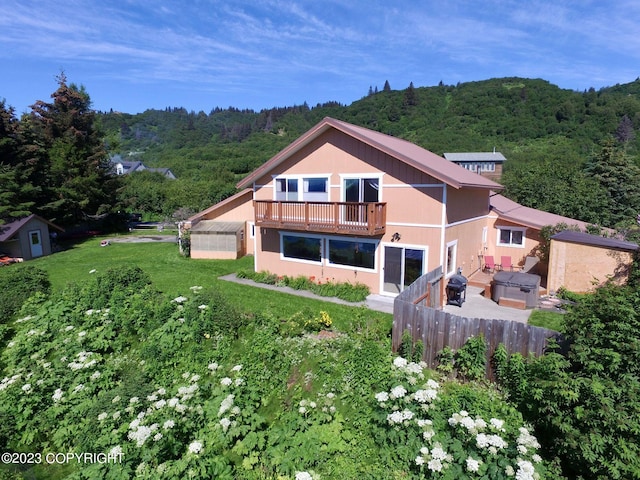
{"type": "Point", "coordinates": [219, 240]}
{"type": "Point", "coordinates": [28, 237]}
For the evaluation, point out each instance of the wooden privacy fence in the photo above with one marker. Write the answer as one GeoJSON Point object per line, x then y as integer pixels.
{"type": "Point", "coordinates": [438, 329]}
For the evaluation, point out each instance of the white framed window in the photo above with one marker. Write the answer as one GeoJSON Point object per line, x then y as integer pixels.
{"type": "Point", "coordinates": [315, 189]}
{"type": "Point", "coordinates": [451, 259]}
{"type": "Point", "coordinates": [511, 237]}
{"type": "Point", "coordinates": [294, 188]}
{"type": "Point", "coordinates": [252, 230]}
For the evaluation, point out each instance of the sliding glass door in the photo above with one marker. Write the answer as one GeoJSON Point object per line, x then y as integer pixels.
{"type": "Point", "coordinates": [402, 267]}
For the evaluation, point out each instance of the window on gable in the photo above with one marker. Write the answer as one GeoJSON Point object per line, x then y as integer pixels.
{"type": "Point", "coordinates": [513, 237]}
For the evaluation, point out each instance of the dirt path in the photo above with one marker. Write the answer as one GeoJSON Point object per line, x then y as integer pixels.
{"type": "Point", "coordinates": [144, 239]}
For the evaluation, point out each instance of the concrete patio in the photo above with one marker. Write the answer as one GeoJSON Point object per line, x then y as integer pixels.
{"type": "Point", "coordinates": [477, 305]}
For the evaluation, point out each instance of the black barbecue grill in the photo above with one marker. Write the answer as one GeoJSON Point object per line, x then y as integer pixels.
{"type": "Point", "coordinates": [456, 290]}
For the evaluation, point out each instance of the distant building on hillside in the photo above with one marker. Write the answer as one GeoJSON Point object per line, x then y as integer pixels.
{"type": "Point", "coordinates": [125, 167]}
{"type": "Point", "coordinates": [487, 164]}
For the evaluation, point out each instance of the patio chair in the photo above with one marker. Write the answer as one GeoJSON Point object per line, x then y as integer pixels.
{"type": "Point", "coordinates": [489, 263]}
{"type": "Point", "coordinates": [505, 263]}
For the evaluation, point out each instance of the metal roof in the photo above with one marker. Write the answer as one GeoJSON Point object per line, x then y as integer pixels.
{"type": "Point", "coordinates": [475, 157]}
{"type": "Point", "coordinates": [402, 150]}
{"type": "Point", "coordinates": [8, 230]}
{"type": "Point", "coordinates": [529, 217]}
{"type": "Point", "coordinates": [594, 240]}
{"type": "Point", "coordinates": [211, 226]}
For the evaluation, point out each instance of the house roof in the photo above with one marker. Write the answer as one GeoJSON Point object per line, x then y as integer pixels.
{"type": "Point", "coordinates": [594, 240]}
{"type": "Point", "coordinates": [8, 230]}
{"type": "Point", "coordinates": [162, 170]}
{"type": "Point", "coordinates": [404, 151]}
{"type": "Point", "coordinates": [475, 157]}
{"type": "Point", "coordinates": [530, 217]}
{"type": "Point", "coordinates": [217, 206]}
{"type": "Point", "coordinates": [213, 226]}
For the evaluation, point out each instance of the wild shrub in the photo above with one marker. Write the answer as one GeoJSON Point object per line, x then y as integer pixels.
{"type": "Point", "coordinates": [418, 351]}
{"type": "Point", "coordinates": [405, 349]}
{"type": "Point", "coordinates": [124, 280]}
{"type": "Point", "coordinates": [584, 405]}
{"type": "Point", "coordinates": [446, 361]}
{"type": "Point", "coordinates": [17, 285]}
{"type": "Point", "coordinates": [470, 359]}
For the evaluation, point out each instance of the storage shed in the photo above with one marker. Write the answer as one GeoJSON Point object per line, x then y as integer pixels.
{"type": "Point", "coordinates": [219, 240]}
{"type": "Point", "coordinates": [579, 261]}
{"type": "Point", "coordinates": [28, 237]}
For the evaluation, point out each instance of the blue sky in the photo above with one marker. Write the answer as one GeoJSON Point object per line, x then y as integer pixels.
{"type": "Point", "coordinates": [132, 55]}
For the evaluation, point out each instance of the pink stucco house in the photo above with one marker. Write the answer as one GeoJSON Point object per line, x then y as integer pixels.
{"type": "Point", "coordinates": [346, 203]}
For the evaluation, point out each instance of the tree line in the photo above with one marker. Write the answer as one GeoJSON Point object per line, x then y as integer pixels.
{"type": "Point", "coordinates": [570, 153]}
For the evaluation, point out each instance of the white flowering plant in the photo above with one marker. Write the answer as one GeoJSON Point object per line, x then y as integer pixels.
{"type": "Point", "coordinates": [145, 380]}
{"type": "Point", "coordinates": [482, 440]}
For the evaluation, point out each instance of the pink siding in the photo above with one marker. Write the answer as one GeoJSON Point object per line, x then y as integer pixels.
{"type": "Point", "coordinates": [414, 208]}
{"type": "Point", "coordinates": [517, 254]}
{"type": "Point", "coordinates": [469, 249]}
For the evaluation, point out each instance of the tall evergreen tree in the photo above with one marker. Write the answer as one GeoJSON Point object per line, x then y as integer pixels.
{"type": "Point", "coordinates": [15, 192]}
{"type": "Point", "coordinates": [78, 175]}
{"type": "Point", "coordinates": [387, 87]}
{"type": "Point", "coordinates": [620, 178]}
{"type": "Point", "coordinates": [410, 98]}
{"type": "Point", "coordinates": [625, 132]}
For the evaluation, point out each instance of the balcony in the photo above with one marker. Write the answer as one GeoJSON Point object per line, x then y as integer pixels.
{"type": "Point", "coordinates": [348, 218]}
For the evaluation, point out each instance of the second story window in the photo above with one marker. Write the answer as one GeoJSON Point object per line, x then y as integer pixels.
{"type": "Point", "coordinates": [315, 189]}
{"type": "Point", "coordinates": [286, 189]}
{"type": "Point", "coordinates": [309, 189]}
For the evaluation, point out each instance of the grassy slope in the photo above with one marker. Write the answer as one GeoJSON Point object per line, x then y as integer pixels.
{"type": "Point", "coordinates": [173, 274]}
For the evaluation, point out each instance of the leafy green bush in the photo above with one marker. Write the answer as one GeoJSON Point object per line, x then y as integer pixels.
{"type": "Point", "coordinates": [584, 405]}
{"type": "Point", "coordinates": [405, 349]}
{"type": "Point", "coordinates": [471, 360]}
{"type": "Point", "coordinates": [115, 281]}
{"type": "Point", "coordinates": [17, 284]}
{"type": "Point", "coordinates": [446, 361]}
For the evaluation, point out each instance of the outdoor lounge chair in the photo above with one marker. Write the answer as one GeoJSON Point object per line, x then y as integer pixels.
{"type": "Point", "coordinates": [530, 264]}
{"type": "Point", "coordinates": [489, 263]}
{"type": "Point", "coordinates": [505, 263]}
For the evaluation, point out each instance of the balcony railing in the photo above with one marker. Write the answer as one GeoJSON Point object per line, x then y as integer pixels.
{"type": "Point", "coordinates": [348, 218]}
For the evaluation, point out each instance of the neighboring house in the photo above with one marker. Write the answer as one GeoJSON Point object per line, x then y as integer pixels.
{"type": "Point", "coordinates": [345, 203]}
{"type": "Point", "coordinates": [579, 261]}
{"type": "Point", "coordinates": [124, 167]}
{"type": "Point", "coordinates": [28, 237]}
{"type": "Point", "coordinates": [165, 172]}
{"type": "Point", "coordinates": [487, 164]}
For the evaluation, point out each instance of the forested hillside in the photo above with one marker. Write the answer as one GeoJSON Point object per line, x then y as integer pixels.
{"type": "Point", "coordinates": [551, 137]}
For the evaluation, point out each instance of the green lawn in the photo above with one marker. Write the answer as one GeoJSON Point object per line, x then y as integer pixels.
{"type": "Point", "coordinates": [546, 319]}
{"type": "Point", "coordinates": [173, 274]}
